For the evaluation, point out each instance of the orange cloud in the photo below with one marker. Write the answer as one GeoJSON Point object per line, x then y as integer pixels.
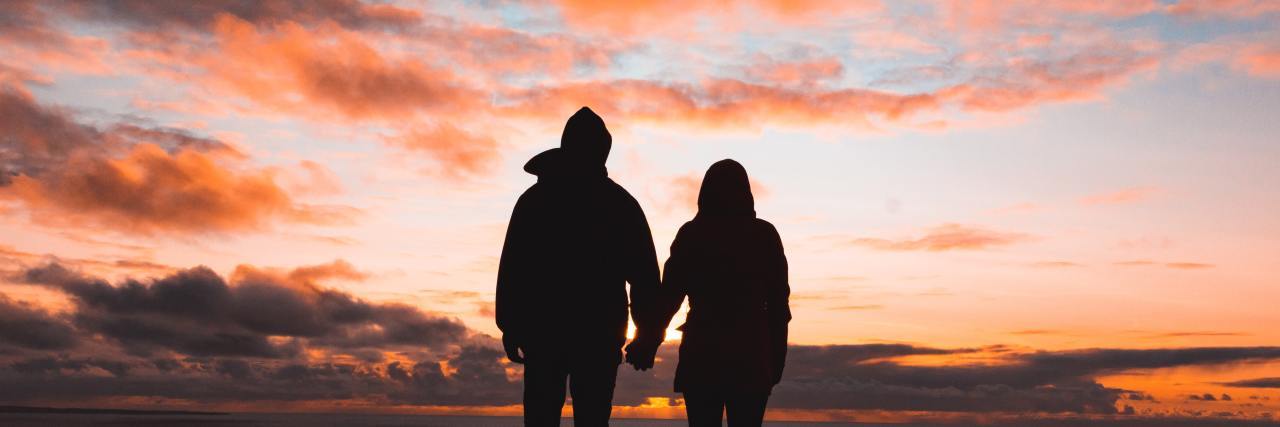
{"type": "Point", "coordinates": [338, 269]}
{"type": "Point", "coordinates": [1188, 265]}
{"type": "Point", "coordinates": [329, 71]}
{"type": "Point", "coordinates": [794, 73]}
{"type": "Point", "coordinates": [1029, 82]}
{"type": "Point", "coordinates": [1260, 61]}
{"type": "Point", "coordinates": [1128, 195]}
{"type": "Point", "coordinates": [947, 237]}
{"type": "Point", "coordinates": [1183, 265]}
{"type": "Point", "coordinates": [720, 103]}
{"type": "Point", "coordinates": [1055, 264]}
{"type": "Point", "coordinates": [857, 307]}
{"type": "Point", "coordinates": [134, 179]}
{"type": "Point", "coordinates": [150, 191]}
{"type": "Point", "coordinates": [455, 151]}
{"type": "Point", "coordinates": [634, 18]}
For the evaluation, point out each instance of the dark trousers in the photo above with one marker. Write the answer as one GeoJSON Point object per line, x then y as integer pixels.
{"type": "Point", "coordinates": [745, 409]}
{"type": "Point", "coordinates": [590, 384]}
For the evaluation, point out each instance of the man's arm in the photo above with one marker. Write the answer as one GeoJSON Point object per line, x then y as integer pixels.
{"type": "Point", "coordinates": [509, 310]}
{"type": "Point", "coordinates": [642, 271]}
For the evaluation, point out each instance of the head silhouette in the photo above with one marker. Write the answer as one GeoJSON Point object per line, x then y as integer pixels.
{"type": "Point", "coordinates": [585, 138]}
{"type": "Point", "coordinates": [726, 191]}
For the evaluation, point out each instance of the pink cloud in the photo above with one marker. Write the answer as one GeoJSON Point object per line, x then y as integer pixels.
{"type": "Point", "coordinates": [1257, 58]}
{"type": "Point", "coordinates": [947, 237]}
{"type": "Point", "coordinates": [1125, 196]}
{"type": "Point", "coordinates": [807, 72]}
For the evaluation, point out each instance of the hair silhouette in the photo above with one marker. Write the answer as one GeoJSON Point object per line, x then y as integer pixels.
{"type": "Point", "coordinates": [731, 267]}
{"type": "Point", "coordinates": [575, 239]}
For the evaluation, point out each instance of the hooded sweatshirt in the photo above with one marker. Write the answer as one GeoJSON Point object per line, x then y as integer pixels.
{"type": "Point", "coordinates": [575, 239]}
{"type": "Point", "coordinates": [731, 266]}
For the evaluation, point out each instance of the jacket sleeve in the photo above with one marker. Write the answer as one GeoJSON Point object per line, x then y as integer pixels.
{"type": "Point", "coordinates": [675, 278]}
{"type": "Point", "coordinates": [513, 271]}
{"type": "Point", "coordinates": [778, 303]}
{"type": "Point", "coordinates": [642, 271]}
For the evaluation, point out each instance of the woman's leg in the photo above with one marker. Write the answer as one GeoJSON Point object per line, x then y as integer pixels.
{"type": "Point", "coordinates": [704, 409]}
{"type": "Point", "coordinates": [746, 409]}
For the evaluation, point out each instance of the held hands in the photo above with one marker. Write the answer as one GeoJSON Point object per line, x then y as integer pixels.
{"type": "Point", "coordinates": [643, 350]}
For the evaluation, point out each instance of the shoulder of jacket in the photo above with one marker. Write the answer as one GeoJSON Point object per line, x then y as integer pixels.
{"type": "Point", "coordinates": [622, 194]}
{"type": "Point", "coordinates": [765, 226]}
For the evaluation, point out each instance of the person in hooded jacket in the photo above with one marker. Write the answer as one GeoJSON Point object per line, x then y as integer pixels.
{"type": "Point", "coordinates": [575, 239]}
{"type": "Point", "coordinates": [731, 266]}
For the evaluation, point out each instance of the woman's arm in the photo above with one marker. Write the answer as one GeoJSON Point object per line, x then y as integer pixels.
{"type": "Point", "coordinates": [669, 296]}
{"type": "Point", "coordinates": [675, 278]}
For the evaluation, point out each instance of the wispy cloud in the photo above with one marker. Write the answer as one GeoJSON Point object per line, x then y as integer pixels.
{"type": "Point", "coordinates": [1182, 265]}
{"type": "Point", "coordinates": [1119, 197]}
{"type": "Point", "coordinates": [947, 237]}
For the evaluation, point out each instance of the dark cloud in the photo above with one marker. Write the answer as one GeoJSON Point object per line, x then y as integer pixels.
{"type": "Point", "coordinates": [40, 139]}
{"type": "Point", "coordinates": [859, 377]}
{"type": "Point", "coordinates": [145, 14]}
{"type": "Point", "coordinates": [278, 335]}
{"type": "Point", "coordinates": [61, 365]}
{"type": "Point", "coordinates": [29, 327]}
{"type": "Point", "coordinates": [1255, 383]}
{"type": "Point", "coordinates": [260, 314]}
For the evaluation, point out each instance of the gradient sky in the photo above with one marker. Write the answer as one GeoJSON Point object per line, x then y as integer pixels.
{"type": "Point", "coordinates": [972, 195]}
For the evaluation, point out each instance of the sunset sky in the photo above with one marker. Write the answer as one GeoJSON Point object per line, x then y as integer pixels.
{"type": "Point", "coordinates": [990, 209]}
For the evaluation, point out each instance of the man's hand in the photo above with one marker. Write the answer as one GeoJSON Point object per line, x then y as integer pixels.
{"type": "Point", "coordinates": [642, 351]}
{"type": "Point", "coordinates": [512, 346]}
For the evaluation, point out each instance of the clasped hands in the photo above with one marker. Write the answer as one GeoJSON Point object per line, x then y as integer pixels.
{"type": "Point", "coordinates": [643, 349]}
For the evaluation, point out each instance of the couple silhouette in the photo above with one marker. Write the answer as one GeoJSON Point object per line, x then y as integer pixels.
{"type": "Point", "coordinates": [576, 238]}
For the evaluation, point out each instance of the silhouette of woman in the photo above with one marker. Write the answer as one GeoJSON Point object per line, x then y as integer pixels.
{"type": "Point", "coordinates": [731, 266]}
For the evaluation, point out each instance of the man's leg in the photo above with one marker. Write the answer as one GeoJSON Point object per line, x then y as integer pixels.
{"type": "Point", "coordinates": [704, 409]}
{"type": "Point", "coordinates": [746, 409]}
{"type": "Point", "coordinates": [544, 392]}
{"type": "Point", "coordinates": [591, 385]}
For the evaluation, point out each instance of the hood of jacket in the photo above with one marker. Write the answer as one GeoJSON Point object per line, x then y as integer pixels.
{"type": "Point", "coordinates": [584, 148]}
{"type": "Point", "coordinates": [726, 192]}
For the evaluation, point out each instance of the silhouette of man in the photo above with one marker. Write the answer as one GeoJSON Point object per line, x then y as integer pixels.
{"type": "Point", "coordinates": [575, 237]}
